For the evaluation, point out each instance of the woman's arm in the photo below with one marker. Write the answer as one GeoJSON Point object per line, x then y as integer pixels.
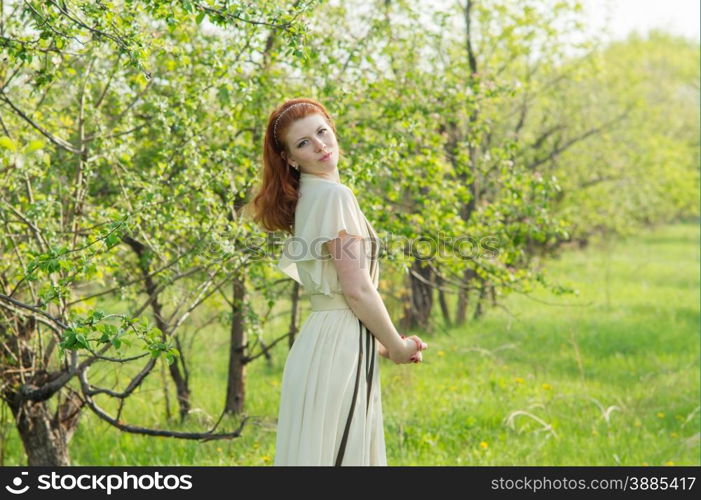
{"type": "Point", "coordinates": [348, 253]}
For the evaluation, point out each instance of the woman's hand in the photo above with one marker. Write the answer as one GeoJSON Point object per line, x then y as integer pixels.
{"type": "Point", "coordinates": [409, 350]}
{"type": "Point", "coordinates": [421, 346]}
{"type": "Point", "coordinates": [382, 350]}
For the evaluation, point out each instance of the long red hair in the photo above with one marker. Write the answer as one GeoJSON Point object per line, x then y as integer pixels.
{"type": "Point", "coordinates": [273, 206]}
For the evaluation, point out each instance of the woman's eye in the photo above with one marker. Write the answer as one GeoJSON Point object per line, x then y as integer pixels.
{"type": "Point", "coordinates": [304, 141]}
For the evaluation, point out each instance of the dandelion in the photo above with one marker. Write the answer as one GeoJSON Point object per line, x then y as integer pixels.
{"type": "Point", "coordinates": [660, 414]}
{"type": "Point", "coordinates": [547, 386]}
{"type": "Point", "coordinates": [266, 459]}
{"type": "Point", "coordinates": [645, 464]}
{"type": "Point", "coordinates": [484, 445]}
{"type": "Point", "coordinates": [519, 380]}
{"type": "Point", "coordinates": [440, 353]}
{"type": "Point", "coordinates": [219, 450]}
{"type": "Point", "coordinates": [669, 463]}
{"type": "Point", "coordinates": [637, 423]}
{"type": "Point", "coordinates": [453, 388]}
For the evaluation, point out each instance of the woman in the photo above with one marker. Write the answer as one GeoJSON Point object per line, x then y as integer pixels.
{"type": "Point", "coordinates": [330, 406]}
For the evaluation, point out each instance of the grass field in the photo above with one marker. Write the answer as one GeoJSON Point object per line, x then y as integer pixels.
{"type": "Point", "coordinates": [610, 377]}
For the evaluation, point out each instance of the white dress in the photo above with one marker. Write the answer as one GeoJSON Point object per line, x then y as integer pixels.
{"type": "Point", "coordinates": [330, 405]}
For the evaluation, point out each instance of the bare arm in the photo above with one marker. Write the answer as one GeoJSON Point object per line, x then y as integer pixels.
{"type": "Point", "coordinates": [348, 253]}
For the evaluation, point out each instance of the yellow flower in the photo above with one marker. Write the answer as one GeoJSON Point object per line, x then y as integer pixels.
{"type": "Point", "coordinates": [453, 388]}
{"type": "Point", "coordinates": [256, 445]}
{"type": "Point", "coordinates": [669, 463]}
{"type": "Point", "coordinates": [519, 380]}
{"type": "Point", "coordinates": [645, 464]}
{"type": "Point", "coordinates": [660, 414]}
{"type": "Point", "coordinates": [674, 435]}
{"type": "Point", "coordinates": [219, 450]}
{"type": "Point", "coordinates": [547, 386]}
{"type": "Point", "coordinates": [595, 432]}
{"type": "Point", "coordinates": [266, 458]}
{"type": "Point", "coordinates": [484, 445]}
{"type": "Point", "coordinates": [440, 353]}
{"type": "Point", "coordinates": [637, 423]}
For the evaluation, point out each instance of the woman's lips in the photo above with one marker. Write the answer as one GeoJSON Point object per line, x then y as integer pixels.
{"type": "Point", "coordinates": [324, 158]}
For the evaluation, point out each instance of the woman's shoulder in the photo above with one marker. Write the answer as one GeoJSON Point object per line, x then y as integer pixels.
{"type": "Point", "coordinates": [326, 191]}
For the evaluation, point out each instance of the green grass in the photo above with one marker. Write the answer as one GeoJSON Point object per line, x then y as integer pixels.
{"type": "Point", "coordinates": [609, 377]}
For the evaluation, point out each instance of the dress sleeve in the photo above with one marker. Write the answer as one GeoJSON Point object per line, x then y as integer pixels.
{"type": "Point", "coordinates": [336, 212]}
{"type": "Point", "coordinates": [332, 212]}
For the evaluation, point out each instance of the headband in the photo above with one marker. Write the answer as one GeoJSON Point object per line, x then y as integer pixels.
{"type": "Point", "coordinates": [285, 111]}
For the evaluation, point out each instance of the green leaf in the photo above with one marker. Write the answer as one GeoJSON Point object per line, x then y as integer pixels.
{"type": "Point", "coordinates": [112, 240]}
{"type": "Point", "coordinates": [8, 143]}
{"type": "Point", "coordinates": [81, 340]}
{"type": "Point", "coordinates": [34, 146]}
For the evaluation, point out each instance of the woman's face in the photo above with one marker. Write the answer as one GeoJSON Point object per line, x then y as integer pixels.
{"type": "Point", "coordinates": [309, 140]}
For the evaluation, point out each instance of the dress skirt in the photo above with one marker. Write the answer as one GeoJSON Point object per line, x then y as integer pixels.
{"type": "Point", "coordinates": [330, 403]}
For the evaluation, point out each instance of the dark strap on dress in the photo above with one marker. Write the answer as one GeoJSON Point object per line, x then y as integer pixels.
{"type": "Point", "coordinates": [342, 449]}
{"type": "Point", "coordinates": [369, 371]}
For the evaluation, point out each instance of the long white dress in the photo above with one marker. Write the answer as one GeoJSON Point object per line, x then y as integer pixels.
{"type": "Point", "coordinates": [330, 404]}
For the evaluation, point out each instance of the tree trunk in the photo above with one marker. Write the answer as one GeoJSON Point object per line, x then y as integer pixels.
{"type": "Point", "coordinates": [480, 299]}
{"type": "Point", "coordinates": [421, 298]}
{"type": "Point", "coordinates": [473, 179]}
{"type": "Point", "coordinates": [443, 302]}
{"type": "Point", "coordinates": [236, 388]}
{"type": "Point", "coordinates": [463, 298]}
{"type": "Point", "coordinates": [45, 437]}
{"type": "Point", "coordinates": [178, 369]}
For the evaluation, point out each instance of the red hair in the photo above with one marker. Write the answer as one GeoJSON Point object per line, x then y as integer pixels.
{"type": "Point", "coordinates": [273, 207]}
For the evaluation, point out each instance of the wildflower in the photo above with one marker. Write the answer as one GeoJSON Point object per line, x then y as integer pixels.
{"type": "Point", "coordinates": [519, 380]}
{"type": "Point", "coordinates": [547, 386]}
{"type": "Point", "coordinates": [484, 445]}
{"type": "Point", "coordinates": [440, 353]}
{"type": "Point", "coordinates": [660, 414]}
